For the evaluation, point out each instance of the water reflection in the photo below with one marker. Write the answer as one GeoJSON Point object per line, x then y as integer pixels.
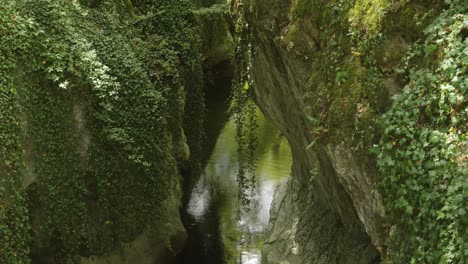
{"type": "Point", "coordinates": [213, 204]}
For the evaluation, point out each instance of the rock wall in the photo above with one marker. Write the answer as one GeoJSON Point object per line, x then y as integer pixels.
{"type": "Point", "coordinates": [316, 221]}
{"type": "Point", "coordinates": [97, 127]}
{"type": "Point", "coordinates": [153, 244]}
{"type": "Point", "coordinates": [323, 72]}
{"type": "Point", "coordinates": [148, 247]}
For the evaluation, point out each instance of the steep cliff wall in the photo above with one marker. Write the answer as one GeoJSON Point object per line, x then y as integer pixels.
{"type": "Point", "coordinates": [324, 72]}
{"type": "Point", "coordinates": [317, 220]}
{"type": "Point", "coordinates": [101, 105]}
{"type": "Point", "coordinates": [95, 126]}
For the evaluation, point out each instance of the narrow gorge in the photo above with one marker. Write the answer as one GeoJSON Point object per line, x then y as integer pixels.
{"type": "Point", "coordinates": [238, 131]}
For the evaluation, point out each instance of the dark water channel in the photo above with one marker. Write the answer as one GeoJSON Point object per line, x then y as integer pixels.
{"type": "Point", "coordinates": [217, 232]}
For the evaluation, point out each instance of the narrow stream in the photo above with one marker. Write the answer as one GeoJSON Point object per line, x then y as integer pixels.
{"type": "Point", "coordinates": [217, 232]}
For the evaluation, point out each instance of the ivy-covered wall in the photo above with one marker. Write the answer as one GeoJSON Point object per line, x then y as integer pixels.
{"type": "Point", "coordinates": [368, 50]}
{"type": "Point", "coordinates": [97, 98]}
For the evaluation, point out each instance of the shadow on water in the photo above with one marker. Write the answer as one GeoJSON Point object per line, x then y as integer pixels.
{"type": "Point", "coordinates": [203, 244]}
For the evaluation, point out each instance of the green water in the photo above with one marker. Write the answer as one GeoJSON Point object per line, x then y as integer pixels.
{"type": "Point", "coordinates": [217, 224]}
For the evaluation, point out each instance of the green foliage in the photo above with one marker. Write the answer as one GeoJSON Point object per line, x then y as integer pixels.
{"type": "Point", "coordinates": [367, 16]}
{"type": "Point", "coordinates": [14, 217]}
{"type": "Point", "coordinates": [346, 92]}
{"type": "Point", "coordinates": [61, 186]}
{"type": "Point", "coordinates": [212, 11]}
{"type": "Point", "coordinates": [132, 128]}
{"type": "Point", "coordinates": [99, 97]}
{"type": "Point", "coordinates": [244, 111]}
{"type": "Point", "coordinates": [343, 93]}
{"type": "Point", "coordinates": [176, 22]}
{"type": "Point", "coordinates": [423, 151]}
{"type": "Point", "coordinates": [218, 43]}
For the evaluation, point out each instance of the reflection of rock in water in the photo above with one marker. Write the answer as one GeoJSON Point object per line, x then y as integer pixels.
{"type": "Point", "coordinates": [214, 242]}
{"type": "Point", "coordinates": [250, 257]}
{"type": "Point", "coordinates": [276, 146]}
{"type": "Point", "coordinates": [221, 232]}
{"type": "Point", "coordinates": [200, 213]}
{"type": "Point", "coordinates": [204, 245]}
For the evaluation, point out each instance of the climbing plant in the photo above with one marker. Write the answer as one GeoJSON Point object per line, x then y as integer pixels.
{"type": "Point", "coordinates": [179, 29]}
{"type": "Point", "coordinates": [423, 151]}
{"type": "Point", "coordinates": [98, 89]}
{"type": "Point", "coordinates": [244, 109]}
{"type": "Point", "coordinates": [14, 217]}
{"type": "Point", "coordinates": [15, 235]}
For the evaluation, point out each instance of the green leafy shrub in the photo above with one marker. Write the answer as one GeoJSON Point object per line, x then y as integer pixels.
{"type": "Point", "coordinates": [14, 217]}
{"type": "Point", "coordinates": [99, 95]}
{"type": "Point", "coordinates": [423, 150]}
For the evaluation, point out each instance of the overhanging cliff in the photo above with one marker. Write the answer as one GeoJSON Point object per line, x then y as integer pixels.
{"type": "Point", "coordinates": [325, 72]}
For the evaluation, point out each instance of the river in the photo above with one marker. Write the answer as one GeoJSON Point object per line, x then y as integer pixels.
{"type": "Point", "coordinates": [218, 231]}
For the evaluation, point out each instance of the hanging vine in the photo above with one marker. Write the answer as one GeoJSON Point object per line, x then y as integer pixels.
{"type": "Point", "coordinates": [244, 109]}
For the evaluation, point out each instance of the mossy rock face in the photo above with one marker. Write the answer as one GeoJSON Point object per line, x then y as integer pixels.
{"type": "Point", "coordinates": [336, 65]}
{"type": "Point", "coordinates": [220, 44]}
{"type": "Point", "coordinates": [215, 28]}
{"type": "Point", "coordinates": [341, 113]}
{"type": "Point", "coordinates": [367, 15]}
{"type": "Point", "coordinates": [389, 55]}
{"type": "Point", "coordinates": [307, 9]}
{"type": "Point", "coordinates": [346, 70]}
{"type": "Point", "coordinates": [181, 149]}
{"type": "Point", "coordinates": [302, 39]}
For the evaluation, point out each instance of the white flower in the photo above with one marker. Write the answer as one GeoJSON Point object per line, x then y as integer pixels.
{"type": "Point", "coordinates": [64, 85]}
